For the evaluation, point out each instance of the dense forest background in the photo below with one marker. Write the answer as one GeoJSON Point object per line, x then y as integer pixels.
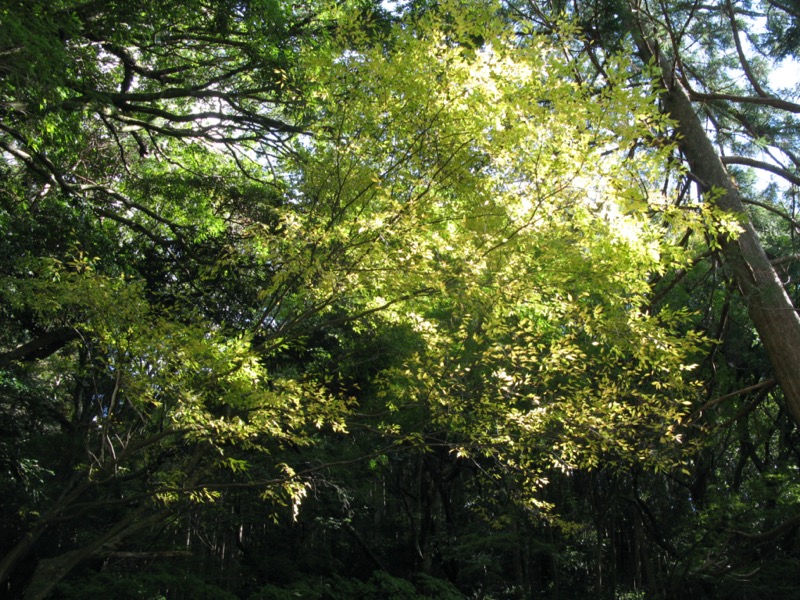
{"type": "Point", "coordinates": [401, 300]}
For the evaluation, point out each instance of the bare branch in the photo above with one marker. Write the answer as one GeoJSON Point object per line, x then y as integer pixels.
{"type": "Point", "coordinates": [774, 210]}
{"type": "Point", "coordinates": [742, 58]}
{"type": "Point", "coordinates": [764, 166]}
{"type": "Point", "coordinates": [770, 101]}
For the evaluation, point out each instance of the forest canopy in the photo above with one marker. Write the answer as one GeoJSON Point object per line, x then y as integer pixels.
{"type": "Point", "coordinates": [398, 300]}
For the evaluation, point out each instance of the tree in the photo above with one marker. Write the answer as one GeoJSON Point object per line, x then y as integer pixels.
{"type": "Point", "coordinates": [206, 203]}
{"type": "Point", "coordinates": [769, 304]}
{"type": "Point", "coordinates": [135, 141]}
{"type": "Point", "coordinates": [729, 118]}
{"type": "Point", "coordinates": [694, 47]}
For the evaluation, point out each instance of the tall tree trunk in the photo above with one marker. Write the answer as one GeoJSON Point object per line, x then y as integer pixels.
{"type": "Point", "coordinates": [768, 304]}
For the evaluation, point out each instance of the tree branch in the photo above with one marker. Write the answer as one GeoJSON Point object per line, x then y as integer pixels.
{"type": "Point", "coordinates": [41, 347]}
{"type": "Point", "coordinates": [772, 533]}
{"type": "Point", "coordinates": [742, 58]}
{"type": "Point", "coordinates": [770, 101]}
{"type": "Point", "coordinates": [770, 383]}
{"type": "Point", "coordinates": [764, 166]}
{"type": "Point", "coordinates": [773, 210]}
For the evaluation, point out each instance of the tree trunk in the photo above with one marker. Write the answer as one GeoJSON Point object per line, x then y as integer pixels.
{"type": "Point", "coordinates": [51, 571]}
{"type": "Point", "coordinates": [768, 304]}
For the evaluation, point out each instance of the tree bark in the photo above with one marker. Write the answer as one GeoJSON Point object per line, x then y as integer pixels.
{"type": "Point", "coordinates": [769, 306]}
